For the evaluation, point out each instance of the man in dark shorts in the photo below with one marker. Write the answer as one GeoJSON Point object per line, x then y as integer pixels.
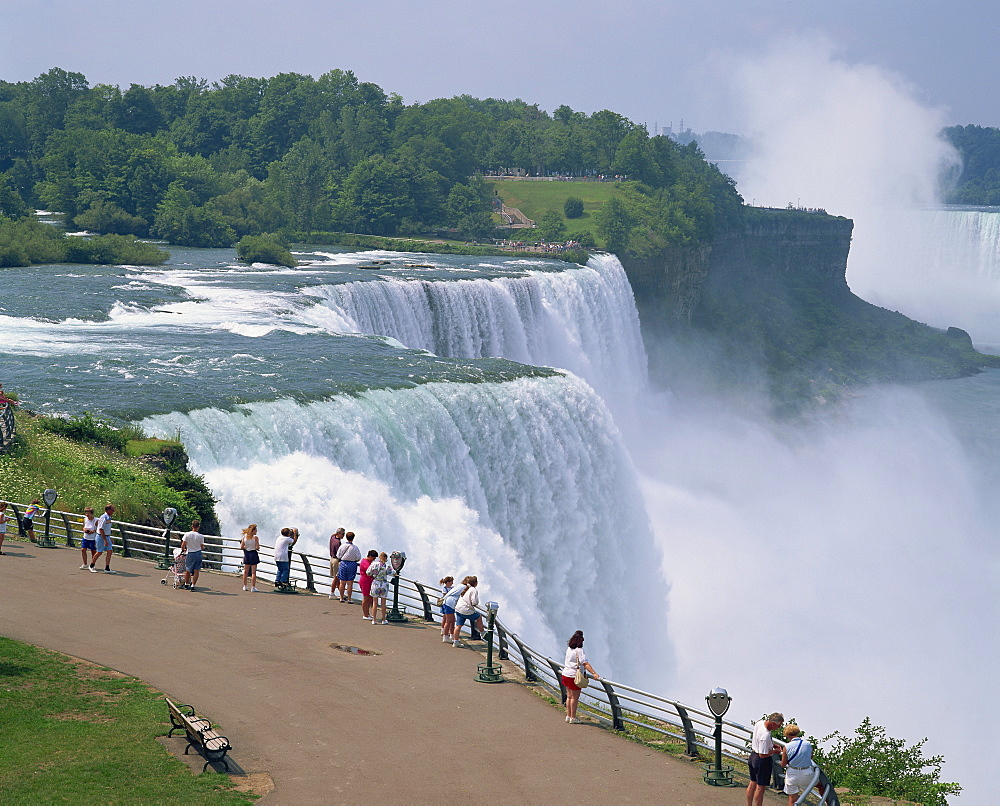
{"type": "Point", "coordinates": [763, 751]}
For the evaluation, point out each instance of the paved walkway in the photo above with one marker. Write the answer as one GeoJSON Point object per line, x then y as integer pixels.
{"type": "Point", "coordinates": [409, 725]}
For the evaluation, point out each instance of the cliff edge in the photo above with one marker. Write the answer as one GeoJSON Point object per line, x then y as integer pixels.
{"type": "Point", "coordinates": [768, 299]}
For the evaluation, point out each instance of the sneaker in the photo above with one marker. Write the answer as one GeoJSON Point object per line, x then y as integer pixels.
{"type": "Point", "coordinates": [456, 644]}
{"type": "Point", "coordinates": [245, 588]}
{"type": "Point", "coordinates": [445, 639]}
{"type": "Point", "coordinates": [367, 618]}
{"type": "Point", "coordinates": [384, 621]}
{"type": "Point", "coordinates": [92, 569]}
{"type": "Point", "coordinates": [573, 720]}
{"type": "Point", "coordinates": [254, 590]}
{"type": "Point", "coordinates": [376, 623]}
{"type": "Point", "coordinates": [82, 567]}
{"type": "Point", "coordinates": [331, 595]}
{"type": "Point", "coordinates": [109, 571]}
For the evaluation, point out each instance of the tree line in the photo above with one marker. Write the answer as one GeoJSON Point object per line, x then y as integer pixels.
{"type": "Point", "coordinates": [978, 181]}
{"type": "Point", "coordinates": [206, 164]}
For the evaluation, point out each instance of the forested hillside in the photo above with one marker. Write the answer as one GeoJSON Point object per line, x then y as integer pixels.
{"type": "Point", "coordinates": [979, 181]}
{"type": "Point", "coordinates": [205, 164]}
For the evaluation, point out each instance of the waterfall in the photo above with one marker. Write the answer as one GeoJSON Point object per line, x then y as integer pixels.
{"type": "Point", "coordinates": [938, 266]}
{"type": "Point", "coordinates": [524, 482]}
{"type": "Point", "coordinates": [582, 319]}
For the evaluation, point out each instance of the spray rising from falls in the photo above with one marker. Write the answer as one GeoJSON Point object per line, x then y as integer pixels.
{"type": "Point", "coordinates": [938, 266]}
{"type": "Point", "coordinates": [583, 320]}
{"type": "Point", "coordinates": [525, 482]}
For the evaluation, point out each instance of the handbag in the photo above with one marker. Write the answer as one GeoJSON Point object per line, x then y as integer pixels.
{"type": "Point", "coordinates": [580, 678]}
{"type": "Point", "coordinates": [440, 601]}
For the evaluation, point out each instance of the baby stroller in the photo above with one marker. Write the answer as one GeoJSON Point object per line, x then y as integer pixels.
{"type": "Point", "coordinates": [175, 574]}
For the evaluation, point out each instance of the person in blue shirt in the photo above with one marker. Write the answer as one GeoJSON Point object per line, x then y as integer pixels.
{"type": "Point", "coordinates": [796, 758]}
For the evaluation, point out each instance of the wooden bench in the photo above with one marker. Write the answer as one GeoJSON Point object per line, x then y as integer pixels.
{"type": "Point", "coordinates": [200, 735]}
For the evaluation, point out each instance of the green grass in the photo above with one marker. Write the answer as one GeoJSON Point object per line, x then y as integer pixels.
{"type": "Point", "coordinates": [84, 475]}
{"type": "Point", "coordinates": [74, 733]}
{"type": "Point", "coordinates": [535, 198]}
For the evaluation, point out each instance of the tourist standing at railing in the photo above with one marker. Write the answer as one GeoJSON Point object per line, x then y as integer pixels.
{"type": "Point", "coordinates": [796, 758]}
{"type": "Point", "coordinates": [349, 556]}
{"type": "Point", "coordinates": [380, 572]}
{"type": "Point", "coordinates": [28, 518]}
{"type": "Point", "coordinates": [336, 540]}
{"type": "Point", "coordinates": [762, 753]}
{"type": "Point", "coordinates": [365, 583]}
{"type": "Point", "coordinates": [575, 661]}
{"type": "Point", "coordinates": [283, 556]}
{"type": "Point", "coordinates": [103, 540]}
{"type": "Point", "coordinates": [250, 544]}
{"type": "Point", "coordinates": [465, 610]}
{"type": "Point", "coordinates": [89, 542]}
{"type": "Point", "coordinates": [3, 523]}
{"type": "Point", "coordinates": [192, 543]}
{"type": "Point", "coordinates": [449, 598]}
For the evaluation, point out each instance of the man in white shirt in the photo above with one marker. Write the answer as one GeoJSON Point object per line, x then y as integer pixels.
{"type": "Point", "coordinates": [282, 555]}
{"type": "Point", "coordinates": [762, 752]}
{"type": "Point", "coordinates": [193, 542]}
{"type": "Point", "coordinates": [103, 540]}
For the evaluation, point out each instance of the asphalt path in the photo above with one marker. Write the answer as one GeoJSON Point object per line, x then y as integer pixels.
{"type": "Point", "coordinates": [406, 725]}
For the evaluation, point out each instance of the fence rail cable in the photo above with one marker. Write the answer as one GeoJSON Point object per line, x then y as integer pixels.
{"type": "Point", "coordinates": [613, 703]}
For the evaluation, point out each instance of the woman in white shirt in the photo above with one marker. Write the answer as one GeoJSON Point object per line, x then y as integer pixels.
{"type": "Point", "coordinates": [575, 661]}
{"type": "Point", "coordinates": [465, 610]}
{"type": "Point", "coordinates": [89, 542]}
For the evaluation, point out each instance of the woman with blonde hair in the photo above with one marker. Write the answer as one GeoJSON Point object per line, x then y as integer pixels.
{"type": "Point", "coordinates": [250, 544]}
{"type": "Point", "coordinates": [796, 758]}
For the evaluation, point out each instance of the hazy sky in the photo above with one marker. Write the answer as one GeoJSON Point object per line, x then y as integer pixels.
{"type": "Point", "coordinates": [656, 61]}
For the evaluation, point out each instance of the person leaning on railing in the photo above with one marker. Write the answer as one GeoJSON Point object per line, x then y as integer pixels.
{"type": "Point", "coordinates": [796, 758]}
{"type": "Point", "coordinates": [762, 752]}
{"type": "Point", "coordinates": [575, 663]}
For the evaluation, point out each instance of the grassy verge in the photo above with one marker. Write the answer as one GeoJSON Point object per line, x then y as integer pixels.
{"type": "Point", "coordinates": [139, 482]}
{"type": "Point", "coordinates": [534, 199]}
{"type": "Point", "coordinates": [74, 733]}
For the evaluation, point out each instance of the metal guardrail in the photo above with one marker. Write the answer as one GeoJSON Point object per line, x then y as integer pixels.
{"type": "Point", "coordinates": [621, 707]}
{"type": "Point", "coordinates": [7, 426]}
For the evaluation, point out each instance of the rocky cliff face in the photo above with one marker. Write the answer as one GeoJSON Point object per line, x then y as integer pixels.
{"type": "Point", "coordinates": [773, 245]}
{"type": "Point", "coordinates": [772, 294]}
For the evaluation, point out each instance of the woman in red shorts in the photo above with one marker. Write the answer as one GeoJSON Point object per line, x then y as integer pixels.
{"type": "Point", "coordinates": [575, 660]}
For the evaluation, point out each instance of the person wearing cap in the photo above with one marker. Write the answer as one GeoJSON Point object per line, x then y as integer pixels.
{"type": "Point", "coordinates": [796, 758]}
{"type": "Point", "coordinates": [762, 753]}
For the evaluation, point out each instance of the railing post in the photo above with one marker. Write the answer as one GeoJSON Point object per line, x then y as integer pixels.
{"type": "Point", "coordinates": [309, 572]}
{"type": "Point", "coordinates": [428, 613]}
{"type": "Point", "coordinates": [689, 736]}
{"type": "Point", "coordinates": [125, 549]}
{"type": "Point", "coordinates": [557, 671]}
{"type": "Point", "coordinates": [69, 531]}
{"type": "Point", "coordinates": [502, 635]}
{"type": "Point", "coordinates": [616, 708]}
{"type": "Point", "coordinates": [20, 520]}
{"type": "Point", "coordinates": [529, 669]}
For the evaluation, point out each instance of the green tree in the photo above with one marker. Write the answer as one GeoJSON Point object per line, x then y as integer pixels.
{"type": "Point", "coordinates": [468, 209]}
{"type": "Point", "coordinates": [872, 763]}
{"type": "Point", "coordinates": [614, 223]}
{"type": "Point", "coordinates": [551, 228]}
{"type": "Point", "coordinates": [264, 249]}
{"type": "Point", "coordinates": [573, 207]}
{"type": "Point", "coordinates": [181, 221]}
{"type": "Point", "coordinates": [375, 198]}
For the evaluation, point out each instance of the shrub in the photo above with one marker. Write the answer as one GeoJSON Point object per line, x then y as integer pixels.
{"type": "Point", "coordinates": [573, 207]}
{"type": "Point", "coordinates": [264, 249]}
{"type": "Point", "coordinates": [872, 763]}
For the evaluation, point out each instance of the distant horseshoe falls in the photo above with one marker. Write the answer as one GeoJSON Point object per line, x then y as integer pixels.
{"type": "Point", "coordinates": [583, 319]}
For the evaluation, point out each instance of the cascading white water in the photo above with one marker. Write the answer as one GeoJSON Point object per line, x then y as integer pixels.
{"type": "Point", "coordinates": [938, 266]}
{"type": "Point", "coordinates": [582, 320]}
{"type": "Point", "coordinates": [525, 482]}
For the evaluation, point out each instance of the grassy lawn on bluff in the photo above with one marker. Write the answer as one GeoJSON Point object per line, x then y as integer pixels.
{"type": "Point", "coordinates": [534, 199]}
{"type": "Point", "coordinates": [75, 733]}
{"type": "Point", "coordinates": [85, 474]}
